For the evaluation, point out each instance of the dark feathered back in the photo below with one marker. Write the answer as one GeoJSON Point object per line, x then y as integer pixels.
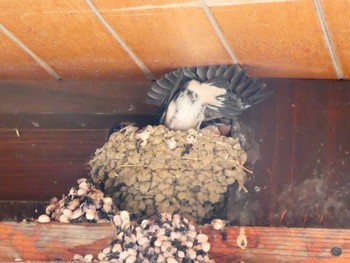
{"type": "Point", "coordinates": [242, 91]}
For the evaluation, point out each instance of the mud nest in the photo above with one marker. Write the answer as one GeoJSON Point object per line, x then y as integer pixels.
{"type": "Point", "coordinates": [156, 170]}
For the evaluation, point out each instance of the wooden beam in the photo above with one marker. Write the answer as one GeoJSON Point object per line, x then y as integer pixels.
{"type": "Point", "coordinates": [264, 244]}
{"type": "Point", "coordinates": [39, 163]}
{"type": "Point", "coordinates": [51, 241]}
{"type": "Point", "coordinates": [69, 120]}
{"type": "Point", "coordinates": [111, 97]}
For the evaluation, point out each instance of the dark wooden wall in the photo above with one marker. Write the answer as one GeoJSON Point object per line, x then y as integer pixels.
{"type": "Point", "coordinates": [304, 131]}
{"type": "Point", "coordinates": [60, 125]}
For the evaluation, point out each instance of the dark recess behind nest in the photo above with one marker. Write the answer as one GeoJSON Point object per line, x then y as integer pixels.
{"type": "Point", "coordinates": [304, 132]}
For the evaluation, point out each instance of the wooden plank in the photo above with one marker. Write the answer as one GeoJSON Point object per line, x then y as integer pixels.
{"type": "Point", "coordinates": [19, 210]}
{"type": "Point", "coordinates": [52, 241]}
{"type": "Point", "coordinates": [98, 97]}
{"type": "Point", "coordinates": [270, 244]}
{"type": "Point", "coordinates": [159, 47]}
{"type": "Point", "coordinates": [15, 63]}
{"type": "Point", "coordinates": [303, 133]}
{"type": "Point", "coordinates": [42, 163]}
{"type": "Point", "coordinates": [69, 120]}
{"type": "Point", "coordinates": [81, 49]}
{"type": "Point", "coordinates": [273, 38]}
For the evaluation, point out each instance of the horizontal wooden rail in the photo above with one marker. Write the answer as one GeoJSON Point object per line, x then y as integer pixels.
{"type": "Point", "coordinates": [249, 244]}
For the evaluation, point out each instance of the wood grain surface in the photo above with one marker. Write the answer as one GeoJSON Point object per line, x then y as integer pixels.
{"type": "Point", "coordinates": [61, 241]}
{"type": "Point", "coordinates": [98, 97]}
{"type": "Point", "coordinates": [272, 38]}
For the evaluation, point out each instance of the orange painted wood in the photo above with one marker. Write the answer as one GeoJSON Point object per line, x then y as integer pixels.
{"type": "Point", "coordinates": [166, 38]}
{"type": "Point", "coordinates": [48, 242]}
{"type": "Point", "coordinates": [52, 241]}
{"type": "Point", "coordinates": [16, 64]}
{"type": "Point", "coordinates": [338, 24]}
{"type": "Point", "coordinates": [72, 40]}
{"type": "Point", "coordinates": [280, 39]}
{"type": "Point", "coordinates": [269, 244]}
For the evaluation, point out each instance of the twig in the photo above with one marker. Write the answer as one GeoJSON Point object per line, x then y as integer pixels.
{"type": "Point", "coordinates": [189, 158]}
{"type": "Point", "coordinates": [245, 169]}
{"type": "Point", "coordinates": [283, 215]}
{"type": "Point", "coordinates": [131, 165]}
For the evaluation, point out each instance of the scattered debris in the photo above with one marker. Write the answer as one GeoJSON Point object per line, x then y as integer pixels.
{"type": "Point", "coordinates": [313, 203]}
{"type": "Point", "coordinates": [17, 132]}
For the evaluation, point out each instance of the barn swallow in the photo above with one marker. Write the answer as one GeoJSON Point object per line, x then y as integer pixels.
{"type": "Point", "coordinates": [189, 97]}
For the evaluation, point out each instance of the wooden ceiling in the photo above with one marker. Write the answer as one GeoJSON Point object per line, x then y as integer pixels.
{"type": "Point", "coordinates": [140, 40]}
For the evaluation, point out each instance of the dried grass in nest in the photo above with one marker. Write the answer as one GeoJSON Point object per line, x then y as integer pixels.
{"type": "Point", "coordinates": [158, 170]}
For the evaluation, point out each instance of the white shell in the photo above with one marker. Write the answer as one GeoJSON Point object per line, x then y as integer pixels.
{"type": "Point", "coordinates": [116, 248]}
{"type": "Point", "coordinates": [202, 238]}
{"type": "Point", "coordinates": [189, 244]}
{"type": "Point", "coordinates": [218, 224]}
{"type": "Point", "coordinates": [90, 214]}
{"type": "Point", "coordinates": [123, 255]}
{"type": "Point", "coordinates": [50, 208]}
{"type": "Point", "coordinates": [171, 260]}
{"type": "Point", "coordinates": [107, 208]}
{"type": "Point", "coordinates": [144, 223]}
{"type": "Point", "coordinates": [77, 213]}
{"type": "Point", "coordinates": [126, 224]}
{"type": "Point", "coordinates": [64, 219]}
{"type": "Point", "coordinates": [106, 250]}
{"type": "Point", "coordinates": [180, 254]}
{"type": "Point", "coordinates": [101, 256]}
{"type": "Point", "coordinates": [191, 139]}
{"type": "Point", "coordinates": [88, 258]}
{"type": "Point", "coordinates": [142, 241]}
{"type": "Point", "coordinates": [165, 245]}
{"type": "Point", "coordinates": [124, 215]}
{"type": "Point", "coordinates": [78, 257]}
{"type": "Point", "coordinates": [192, 254]}
{"type": "Point", "coordinates": [108, 200]}
{"type": "Point", "coordinates": [130, 259]}
{"type": "Point", "coordinates": [44, 219]}
{"type": "Point", "coordinates": [73, 204]}
{"type": "Point", "coordinates": [172, 144]}
{"type": "Point", "coordinates": [81, 192]}
{"type": "Point", "coordinates": [67, 213]}
{"type": "Point", "coordinates": [206, 246]}
{"type": "Point", "coordinates": [80, 180]}
{"type": "Point", "coordinates": [158, 242]}
{"type": "Point", "coordinates": [84, 186]}
{"type": "Point", "coordinates": [192, 234]}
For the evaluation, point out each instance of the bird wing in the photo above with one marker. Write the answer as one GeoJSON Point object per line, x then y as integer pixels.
{"type": "Point", "coordinates": [164, 91]}
{"type": "Point", "coordinates": [242, 91]}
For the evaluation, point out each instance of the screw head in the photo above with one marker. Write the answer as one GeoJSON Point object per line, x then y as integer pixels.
{"type": "Point", "coordinates": [336, 251]}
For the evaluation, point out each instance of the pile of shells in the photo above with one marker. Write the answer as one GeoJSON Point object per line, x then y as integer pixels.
{"type": "Point", "coordinates": [156, 170]}
{"type": "Point", "coordinates": [168, 238]}
{"type": "Point", "coordinates": [83, 204]}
